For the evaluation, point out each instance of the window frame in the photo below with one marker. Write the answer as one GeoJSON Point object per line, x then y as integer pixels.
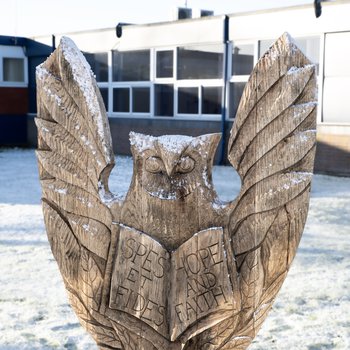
{"type": "Point", "coordinates": [130, 86]}
{"type": "Point", "coordinates": [163, 80]}
{"type": "Point", "coordinates": [186, 47]}
{"type": "Point", "coordinates": [154, 115]}
{"type": "Point", "coordinates": [322, 79]}
{"type": "Point", "coordinates": [151, 66]}
{"type": "Point", "coordinates": [154, 80]}
{"type": "Point", "coordinates": [199, 84]}
{"type": "Point", "coordinates": [238, 78]}
{"type": "Point", "coordinates": [15, 52]}
{"type": "Point", "coordinates": [108, 64]}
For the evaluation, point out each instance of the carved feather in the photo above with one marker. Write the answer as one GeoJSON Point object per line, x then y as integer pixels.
{"type": "Point", "coordinates": [272, 146]}
{"type": "Point", "coordinates": [64, 245]}
{"type": "Point", "coordinates": [75, 158]}
{"type": "Point", "coordinates": [102, 332]}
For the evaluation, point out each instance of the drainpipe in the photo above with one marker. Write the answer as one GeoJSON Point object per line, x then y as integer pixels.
{"type": "Point", "coordinates": [53, 41]}
{"type": "Point", "coordinates": [224, 100]}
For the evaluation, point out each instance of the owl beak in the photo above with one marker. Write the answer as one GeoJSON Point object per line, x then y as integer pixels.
{"type": "Point", "coordinates": [169, 158]}
{"type": "Point", "coordinates": [170, 163]}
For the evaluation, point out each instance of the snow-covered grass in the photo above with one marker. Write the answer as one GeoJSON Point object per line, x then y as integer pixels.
{"type": "Point", "coordinates": [312, 311]}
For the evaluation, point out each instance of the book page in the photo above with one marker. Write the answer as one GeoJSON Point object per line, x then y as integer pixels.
{"type": "Point", "coordinates": [200, 282]}
{"type": "Point", "coordinates": [139, 280]}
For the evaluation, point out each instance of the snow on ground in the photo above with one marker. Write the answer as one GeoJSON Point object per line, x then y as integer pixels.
{"type": "Point", "coordinates": [311, 312]}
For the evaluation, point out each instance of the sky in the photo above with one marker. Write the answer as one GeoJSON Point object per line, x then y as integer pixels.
{"type": "Point", "coordinates": [43, 17]}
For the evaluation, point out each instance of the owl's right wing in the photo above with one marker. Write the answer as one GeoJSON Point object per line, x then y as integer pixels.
{"type": "Point", "coordinates": [272, 147]}
{"type": "Point", "coordinates": [75, 158]}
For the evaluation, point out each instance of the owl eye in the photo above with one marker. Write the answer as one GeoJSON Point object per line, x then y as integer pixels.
{"type": "Point", "coordinates": [185, 165]}
{"type": "Point", "coordinates": [153, 165]}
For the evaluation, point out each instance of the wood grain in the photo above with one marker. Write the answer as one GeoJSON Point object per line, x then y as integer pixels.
{"type": "Point", "coordinates": [171, 266]}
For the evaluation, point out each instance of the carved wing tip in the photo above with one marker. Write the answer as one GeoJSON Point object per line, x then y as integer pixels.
{"type": "Point", "coordinates": [74, 57]}
{"type": "Point", "coordinates": [74, 65]}
{"type": "Point", "coordinates": [285, 45]}
{"type": "Point", "coordinates": [41, 73]}
{"type": "Point", "coordinates": [66, 41]}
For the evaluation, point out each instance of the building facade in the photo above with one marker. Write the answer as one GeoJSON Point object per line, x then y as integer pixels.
{"type": "Point", "coordinates": [187, 76]}
{"type": "Point", "coordinates": [18, 58]}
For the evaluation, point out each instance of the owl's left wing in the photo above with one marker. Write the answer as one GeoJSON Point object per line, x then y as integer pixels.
{"type": "Point", "coordinates": [272, 147]}
{"type": "Point", "coordinates": [75, 158]}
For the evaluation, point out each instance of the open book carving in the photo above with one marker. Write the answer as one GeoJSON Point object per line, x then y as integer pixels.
{"type": "Point", "coordinates": [171, 266]}
{"type": "Point", "coordinates": [195, 276]}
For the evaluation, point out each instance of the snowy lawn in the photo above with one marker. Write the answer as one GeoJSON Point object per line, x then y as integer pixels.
{"type": "Point", "coordinates": [311, 312]}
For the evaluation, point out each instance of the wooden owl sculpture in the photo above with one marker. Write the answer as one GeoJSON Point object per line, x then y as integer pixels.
{"type": "Point", "coordinates": [170, 266]}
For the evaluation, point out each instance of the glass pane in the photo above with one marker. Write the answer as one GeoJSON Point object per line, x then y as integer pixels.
{"type": "Point", "coordinates": [336, 94]}
{"type": "Point", "coordinates": [164, 100]}
{"type": "Point", "coordinates": [264, 45]}
{"type": "Point", "coordinates": [200, 62]}
{"type": "Point", "coordinates": [236, 91]}
{"type": "Point", "coordinates": [188, 100]}
{"type": "Point", "coordinates": [165, 63]}
{"type": "Point", "coordinates": [337, 53]}
{"type": "Point", "coordinates": [242, 59]}
{"type": "Point", "coordinates": [131, 65]}
{"type": "Point", "coordinates": [310, 46]}
{"type": "Point", "coordinates": [140, 100]}
{"type": "Point", "coordinates": [99, 65]}
{"type": "Point", "coordinates": [336, 88]}
{"type": "Point", "coordinates": [211, 100]}
{"type": "Point", "coordinates": [121, 100]}
{"type": "Point", "coordinates": [13, 69]}
{"type": "Point", "coordinates": [104, 94]}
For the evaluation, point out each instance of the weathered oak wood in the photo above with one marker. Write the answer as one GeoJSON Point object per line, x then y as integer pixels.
{"type": "Point", "coordinates": [170, 266]}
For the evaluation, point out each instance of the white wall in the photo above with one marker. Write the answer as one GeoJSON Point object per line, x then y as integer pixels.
{"type": "Point", "coordinates": [298, 21]}
{"type": "Point", "coordinates": [183, 32]}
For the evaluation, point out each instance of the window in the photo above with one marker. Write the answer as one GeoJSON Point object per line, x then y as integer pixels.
{"type": "Point", "coordinates": [165, 64]}
{"type": "Point", "coordinates": [336, 86]}
{"type": "Point", "coordinates": [131, 65]}
{"type": "Point", "coordinates": [140, 100]}
{"type": "Point", "coordinates": [236, 91]}
{"type": "Point", "coordinates": [138, 96]}
{"type": "Point", "coordinates": [211, 100]}
{"type": "Point", "coordinates": [199, 62]}
{"type": "Point", "coordinates": [121, 100]}
{"type": "Point", "coordinates": [13, 66]}
{"type": "Point", "coordinates": [99, 65]}
{"type": "Point", "coordinates": [188, 100]}
{"type": "Point", "coordinates": [242, 59]}
{"type": "Point", "coordinates": [104, 94]}
{"type": "Point", "coordinates": [164, 100]}
{"type": "Point", "coordinates": [13, 69]}
{"type": "Point", "coordinates": [168, 82]}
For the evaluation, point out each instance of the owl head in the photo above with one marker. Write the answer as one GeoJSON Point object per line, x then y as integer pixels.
{"type": "Point", "coordinates": [171, 167]}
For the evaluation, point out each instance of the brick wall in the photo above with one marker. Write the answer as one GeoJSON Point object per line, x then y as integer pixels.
{"type": "Point", "coordinates": [333, 154]}
{"type": "Point", "coordinates": [13, 101]}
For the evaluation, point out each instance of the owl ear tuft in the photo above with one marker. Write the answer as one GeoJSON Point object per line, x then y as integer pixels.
{"type": "Point", "coordinates": [208, 144]}
{"type": "Point", "coordinates": [140, 142]}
